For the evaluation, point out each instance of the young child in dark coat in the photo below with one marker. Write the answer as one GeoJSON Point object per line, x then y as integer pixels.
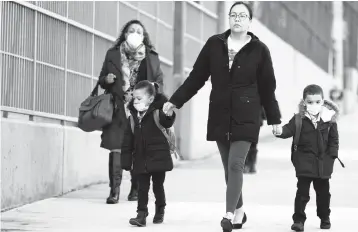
{"type": "Point", "coordinates": [146, 150]}
{"type": "Point", "coordinates": [314, 156]}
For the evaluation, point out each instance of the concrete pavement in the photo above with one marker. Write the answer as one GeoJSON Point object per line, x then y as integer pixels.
{"type": "Point", "coordinates": [196, 194]}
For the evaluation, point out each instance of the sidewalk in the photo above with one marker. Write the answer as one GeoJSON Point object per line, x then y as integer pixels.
{"type": "Point", "coordinates": [196, 193]}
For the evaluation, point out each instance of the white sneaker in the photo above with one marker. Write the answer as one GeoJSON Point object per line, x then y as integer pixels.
{"type": "Point", "coordinates": [229, 216]}
{"type": "Point", "coordinates": [239, 219]}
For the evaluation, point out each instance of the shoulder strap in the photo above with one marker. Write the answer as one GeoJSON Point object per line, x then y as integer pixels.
{"type": "Point", "coordinates": [298, 122]}
{"type": "Point", "coordinates": [156, 120]}
{"type": "Point", "coordinates": [132, 123]}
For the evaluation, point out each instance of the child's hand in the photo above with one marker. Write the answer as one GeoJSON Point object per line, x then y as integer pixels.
{"type": "Point", "coordinates": [278, 131]}
{"type": "Point", "coordinates": [170, 112]}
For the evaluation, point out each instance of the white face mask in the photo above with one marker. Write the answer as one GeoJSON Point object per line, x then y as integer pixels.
{"type": "Point", "coordinates": [314, 109]}
{"type": "Point", "coordinates": [141, 106]}
{"type": "Point", "coordinates": [134, 40]}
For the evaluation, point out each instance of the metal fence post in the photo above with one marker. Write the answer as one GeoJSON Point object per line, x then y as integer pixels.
{"type": "Point", "coordinates": [178, 57]}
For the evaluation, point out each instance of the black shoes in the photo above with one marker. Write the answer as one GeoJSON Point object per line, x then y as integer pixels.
{"type": "Point", "coordinates": [239, 226]}
{"type": "Point", "coordinates": [159, 215]}
{"type": "Point", "coordinates": [226, 224]}
{"type": "Point", "coordinates": [325, 224]}
{"type": "Point", "coordinates": [140, 220]}
{"type": "Point", "coordinates": [133, 195]}
{"type": "Point", "coordinates": [297, 226]}
{"type": "Point", "coordinates": [113, 196]}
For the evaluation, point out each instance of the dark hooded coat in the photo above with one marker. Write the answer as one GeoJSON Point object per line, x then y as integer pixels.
{"type": "Point", "coordinates": [147, 149]}
{"type": "Point", "coordinates": [317, 147]}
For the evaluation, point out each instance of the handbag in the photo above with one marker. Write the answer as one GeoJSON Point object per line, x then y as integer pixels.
{"type": "Point", "coordinates": [96, 111]}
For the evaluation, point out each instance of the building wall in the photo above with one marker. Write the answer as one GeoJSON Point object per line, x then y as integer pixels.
{"type": "Point", "coordinates": [304, 25]}
{"type": "Point", "coordinates": [350, 15]}
{"type": "Point", "coordinates": [51, 54]}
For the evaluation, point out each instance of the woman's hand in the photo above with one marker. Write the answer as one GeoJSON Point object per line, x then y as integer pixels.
{"type": "Point", "coordinates": [168, 108]}
{"type": "Point", "coordinates": [110, 78]}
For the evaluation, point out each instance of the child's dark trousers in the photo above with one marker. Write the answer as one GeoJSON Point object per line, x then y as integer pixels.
{"type": "Point", "coordinates": [158, 189]}
{"type": "Point", "coordinates": [323, 198]}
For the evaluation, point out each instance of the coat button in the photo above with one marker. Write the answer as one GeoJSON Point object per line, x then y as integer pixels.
{"type": "Point", "coordinates": [239, 66]}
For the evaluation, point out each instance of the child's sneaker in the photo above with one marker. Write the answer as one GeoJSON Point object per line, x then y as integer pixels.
{"type": "Point", "coordinates": [226, 222]}
{"type": "Point", "coordinates": [325, 224]}
{"type": "Point", "coordinates": [298, 226]}
{"type": "Point", "coordinates": [140, 220]}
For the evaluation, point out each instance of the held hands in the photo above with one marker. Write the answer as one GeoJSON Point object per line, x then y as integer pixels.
{"type": "Point", "coordinates": [110, 78]}
{"type": "Point", "coordinates": [168, 108]}
{"type": "Point", "coordinates": [276, 130]}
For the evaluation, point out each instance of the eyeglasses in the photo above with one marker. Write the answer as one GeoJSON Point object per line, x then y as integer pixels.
{"type": "Point", "coordinates": [242, 17]}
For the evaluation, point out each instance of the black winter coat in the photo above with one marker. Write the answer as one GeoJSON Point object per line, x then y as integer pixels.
{"type": "Point", "coordinates": [237, 95]}
{"type": "Point", "coordinates": [317, 148]}
{"type": "Point", "coordinates": [147, 150]}
{"type": "Point", "coordinates": [112, 134]}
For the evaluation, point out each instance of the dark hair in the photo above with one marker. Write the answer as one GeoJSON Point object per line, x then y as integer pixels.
{"type": "Point", "coordinates": [312, 90]}
{"type": "Point", "coordinates": [122, 36]}
{"type": "Point", "coordinates": [150, 87]}
{"type": "Point", "coordinates": [246, 5]}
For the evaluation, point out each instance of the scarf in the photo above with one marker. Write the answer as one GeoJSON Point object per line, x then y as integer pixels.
{"type": "Point", "coordinates": [131, 61]}
{"type": "Point", "coordinates": [314, 119]}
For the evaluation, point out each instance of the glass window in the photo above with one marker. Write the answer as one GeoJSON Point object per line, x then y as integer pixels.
{"type": "Point", "coordinates": [193, 21]}
{"type": "Point", "coordinates": [79, 50]}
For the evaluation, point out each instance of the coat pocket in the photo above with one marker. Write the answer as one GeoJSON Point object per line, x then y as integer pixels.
{"type": "Point", "coordinates": [246, 110]}
{"type": "Point", "coordinates": [305, 163]}
{"type": "Point", "coordinates": [328, 164]}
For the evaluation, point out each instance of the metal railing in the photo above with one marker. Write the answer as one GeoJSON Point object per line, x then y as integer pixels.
{"type": "Point", "coordinates": [51, 53]}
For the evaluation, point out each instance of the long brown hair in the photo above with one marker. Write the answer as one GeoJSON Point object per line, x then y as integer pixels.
{"type": "Point", "coordinates": [122, 36]}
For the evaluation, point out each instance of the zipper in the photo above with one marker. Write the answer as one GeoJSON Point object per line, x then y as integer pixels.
{"type": "Point", "coordinates": [143, 143]}
{"type": "Point", "coordinates": [228, 134]}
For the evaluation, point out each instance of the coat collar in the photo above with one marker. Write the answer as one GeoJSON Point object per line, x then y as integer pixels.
{"type": "Point", "coordinates": [224, 36]}
{"type": "Point", "coordinates": [329, 113]}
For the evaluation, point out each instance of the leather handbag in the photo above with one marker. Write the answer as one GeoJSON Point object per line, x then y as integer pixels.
{"type": "Point", "coordinates": [96, 111]}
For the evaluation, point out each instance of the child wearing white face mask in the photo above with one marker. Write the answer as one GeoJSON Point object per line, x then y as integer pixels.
{"type": "Point", "coordinates": [313, 152]}
{"type": "Point", "coordinates": [145, 149]}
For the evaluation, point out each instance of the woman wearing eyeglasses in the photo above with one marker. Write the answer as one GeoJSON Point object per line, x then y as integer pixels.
{"type": "Point", "coordinates": [243, 80]}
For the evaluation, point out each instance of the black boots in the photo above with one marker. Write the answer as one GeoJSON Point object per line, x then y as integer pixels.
{"type": "Point", "coordinates": [113, 196]}
{"type": "Point", "coordinates": [133, 194]}
{"type": "Point", "coordinates": [159, 215]}
{"type": "Point", "coordinates": [297, 226]}
{"type": "Point", "coordinates": [140, 220]}
{"type": "Point", "coordinates": [325, 224]}
{"type": "Point", "coordinates": [115, 172]}
{"type": "Point", "coordinates": [250, 162]}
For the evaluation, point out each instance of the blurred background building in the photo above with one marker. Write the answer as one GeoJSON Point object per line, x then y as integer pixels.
{"type": "Point", "coordinates": [51, 54]}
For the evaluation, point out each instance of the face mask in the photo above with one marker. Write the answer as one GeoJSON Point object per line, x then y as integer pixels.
{"type": "Point", "coordinates": [134, 40]}
{"type": "Point", "coordinates": [141, 106]}
{"type": "Point", "coordinates": [314, 109]}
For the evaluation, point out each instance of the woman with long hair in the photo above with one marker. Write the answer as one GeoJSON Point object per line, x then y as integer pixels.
{"type": "Point", "coordinates": [130, 60]}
